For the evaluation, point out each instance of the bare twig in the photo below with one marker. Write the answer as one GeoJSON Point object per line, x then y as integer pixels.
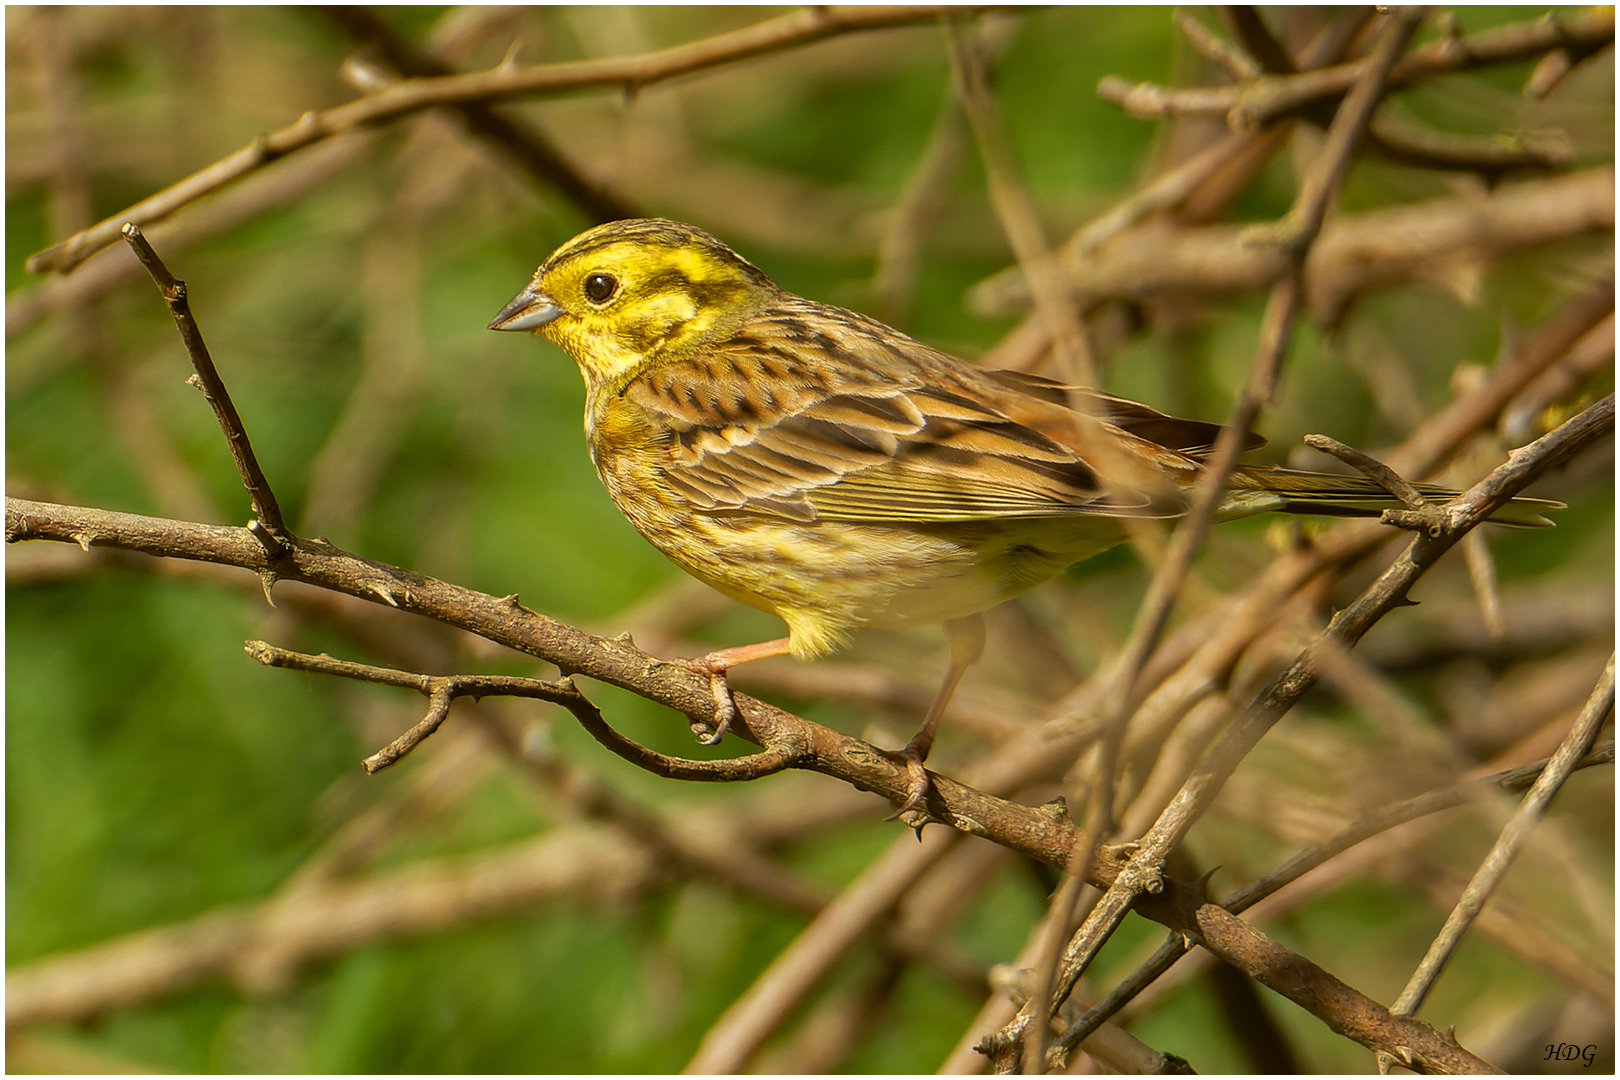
{"type": "Point", "coordinates": [1355, 253]}
{"type": "Point", "coordinates": [628, 73]}
{"type": "Point", "coordinates": [1509, 781]}
{"type": "Point", "coordinates": [1016, 210]}
{"type": "Point", "coordinates": [1490, 872]}
{"type": "Point", "coordinates": [1166, 190]}
{"type": "Point", "coordinates": [1392, 481]}
{"type": "Point", "coordinates": [526, 145]}
{"type": "Point", "coordinates": [1230, 58]}
{"type": "Point", "coordinates": [1252, 104]}
{"type": "Point", "coordinates": [268, 529]}
{"type": "Point", "coordinates": [1523, 419]}
{"type": "Point", "coordinates": [1020, 761]}
{"type": "Point", "coordinates": [1409, 143]}
{"type": "Point", "coordinates": [1428, 445]}
{"type": "Point", "coordinates": [274, 187]}
{"type": "Point", "coordinates": [443, 689]}
{"type": "Point", "coordinates": [1348, 626]}
{"type": "Point", "coordinates": [1482, 573]}
{"type": "Point", "coordinates": [1548, 73]}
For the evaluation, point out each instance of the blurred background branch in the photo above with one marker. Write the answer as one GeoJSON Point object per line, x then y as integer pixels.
{"type": "Point", "coordinates": [198, 876]}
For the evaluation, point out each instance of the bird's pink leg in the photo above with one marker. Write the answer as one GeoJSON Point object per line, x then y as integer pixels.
{"type": "Point", "coordinates": [715, 665]}
{"type": "Point", "coordinates": [966, 637]}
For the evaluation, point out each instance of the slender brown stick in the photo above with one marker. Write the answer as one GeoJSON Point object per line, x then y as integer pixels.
{"type": "Point", "coordinates": [1392, 481]}
{"type": "Point", "coordinates": [1016, 210]}
{"type": "Point", "coordinates": [1514, 834]}
{"type": "Point", "coordinates": [442, 689]}
{"type": "Point", "coordinates": [1251, 104]}
{"type": "Point", "coordinates": [268, 529]}
{"type": "Point", "coordinates": [625, 72]}
{"type": "Point", "coordinates": [1355, 254]}
{"type": "Point", "coordinates": [526, 145]}
{"type": "Point", "coordinates": [1389, 591]}
{"type": "Point", "coordinates": [1212, 47]}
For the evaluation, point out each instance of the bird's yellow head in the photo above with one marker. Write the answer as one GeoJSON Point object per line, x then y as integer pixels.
{"type": "Point", "coordinates": [625, 295]}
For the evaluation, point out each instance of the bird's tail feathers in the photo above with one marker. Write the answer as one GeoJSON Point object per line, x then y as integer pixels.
{"type": "Point", "coordinates": [1254, 490]}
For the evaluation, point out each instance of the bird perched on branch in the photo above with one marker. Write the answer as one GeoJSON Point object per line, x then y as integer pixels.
{"type": "Point", "coordinates": [817, 464]}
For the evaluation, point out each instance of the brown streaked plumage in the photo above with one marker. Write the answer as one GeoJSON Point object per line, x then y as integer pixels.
{"type": "Point", "coordinates": [815, 463]}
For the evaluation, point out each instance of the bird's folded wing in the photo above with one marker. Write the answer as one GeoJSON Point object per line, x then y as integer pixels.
{"type": "Point", "coordinates": [867, 449]}
{"type": "Point", "coordinates": [1195, 438]}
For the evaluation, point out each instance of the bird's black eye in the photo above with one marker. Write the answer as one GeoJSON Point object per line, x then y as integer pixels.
{"type": "Point", "coordinates": [599, 288]}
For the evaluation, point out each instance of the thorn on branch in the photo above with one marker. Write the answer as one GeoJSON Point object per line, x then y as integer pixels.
{"type": "Point", "coordinates": [267, 581]}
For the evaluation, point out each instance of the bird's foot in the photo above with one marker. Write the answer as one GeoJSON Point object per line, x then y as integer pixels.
{"type": "Point", "coordinates": [917, 785]}
{"type": "Point", "coordinates": [715, 665]}
{"type": "Point", "coordinates": [725, 706]}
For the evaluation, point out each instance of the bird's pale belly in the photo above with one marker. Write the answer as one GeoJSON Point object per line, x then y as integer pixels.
{"type": "Point", "coordinates": [827, 578]}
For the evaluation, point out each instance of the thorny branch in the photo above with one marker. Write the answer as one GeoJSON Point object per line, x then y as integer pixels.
{"type": "Point", "coordinates": [1190, 677]}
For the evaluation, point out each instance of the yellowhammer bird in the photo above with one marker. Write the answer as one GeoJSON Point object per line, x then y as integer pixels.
{"type": "Point", "coordinates": [815, 463]}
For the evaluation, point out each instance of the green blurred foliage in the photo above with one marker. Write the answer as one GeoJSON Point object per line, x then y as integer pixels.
{"type": "Point", "coordinates": [154, 772]}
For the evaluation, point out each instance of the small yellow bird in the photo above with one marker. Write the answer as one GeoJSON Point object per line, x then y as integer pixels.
{"type": "Point", "coordinates": [815, 463]}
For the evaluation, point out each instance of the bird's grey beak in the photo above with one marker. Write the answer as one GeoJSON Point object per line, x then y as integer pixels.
{"type": "Point", "coordinates": [529, 310]}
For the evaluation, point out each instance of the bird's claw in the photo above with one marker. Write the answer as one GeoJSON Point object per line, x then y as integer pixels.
{"type": "Point", "coordinates": [725, 708]}
{"type": "Point", "coordinates": [916, 788]}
